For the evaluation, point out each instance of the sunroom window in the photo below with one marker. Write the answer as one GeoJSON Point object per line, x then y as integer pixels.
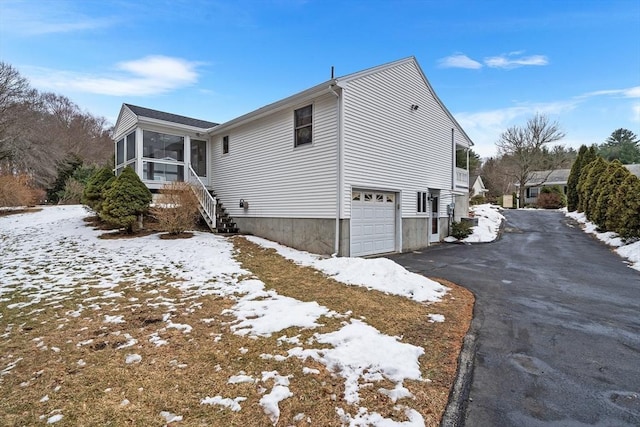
{"type": "Point", "coordinates": [120, 152]}
{"type": "Point", "coordinates": [154, 171]}
{"type": "Point", "coordinates": [131, 146]}
{"type": "Point", "coordinates": [162, 146]}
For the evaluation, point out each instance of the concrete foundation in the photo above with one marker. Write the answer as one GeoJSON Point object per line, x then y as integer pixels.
{"type": "Point", "coordinates": [317, 235]}
{"type": "Point", "coordinates": [414, 233]}
{"type": "Point", "coordinates": [314, 235]}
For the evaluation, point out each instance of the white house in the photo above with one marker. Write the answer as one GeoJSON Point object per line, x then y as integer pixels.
{"type": "Point", "coordinates": [476, 186]}
{"type": "Point", "coordinates": [358, 165]}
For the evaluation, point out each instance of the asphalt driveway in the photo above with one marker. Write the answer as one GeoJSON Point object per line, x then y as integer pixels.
{"type": "Point", "coordinates": [557, 324]}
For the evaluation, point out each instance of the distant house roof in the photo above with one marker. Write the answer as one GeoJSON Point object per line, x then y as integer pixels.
{"type": "Point", "coordinates": [634, 169]}
{"type": "Point", "coordinates": [548, 177]}
{"type": "Point", "coordinates": [168, 117]}
{"type": "Point", "coordinates": [561, 176]}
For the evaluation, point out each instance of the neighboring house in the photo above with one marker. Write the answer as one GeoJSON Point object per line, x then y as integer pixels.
{"type": "Point", "coordinates": [476, 186]}
{"type": "Point", "coordinates": [557, 177]}
{"type": "Point", "coordinates": [546, 178]}
{"type": "Point", "coordinates": [358, 165]}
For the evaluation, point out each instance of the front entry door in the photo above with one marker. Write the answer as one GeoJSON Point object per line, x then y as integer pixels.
{"type": "Point", "coordinates": [435, 217]}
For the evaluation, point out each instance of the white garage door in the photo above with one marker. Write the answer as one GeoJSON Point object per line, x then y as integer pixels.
{"type": "Point", "coordinates": [373, 222]}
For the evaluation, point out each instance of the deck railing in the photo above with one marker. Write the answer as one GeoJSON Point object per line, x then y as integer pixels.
{"type": "Point", "coordinates": [462, 178]}
{"type": "Point", "coordinates": [206, 200]}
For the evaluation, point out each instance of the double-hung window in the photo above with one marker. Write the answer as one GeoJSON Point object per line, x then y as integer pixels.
{"type": "Point", "coordinates": [303, 118]}
{"type": "Point", "coordinates": [423, 202]}
{"type": "Point", "coordinates": [225, 144]}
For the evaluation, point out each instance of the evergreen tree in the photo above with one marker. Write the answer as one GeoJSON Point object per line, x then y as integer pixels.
{"type": "Point", "coordinates": [65, 170]}
{"type": "Point", "coordinates": [623, 214]}
{"type": "Point", "coordinates": [609, 182]}
{"type": "Point", "coordinates": [125, 200]}
{"type": "Point", "coordinates": [574, 176]}
{"type": "Point", "coordinates": [589, 178]}
{"type": "Point", "coordinates": [629, 208]}
{"type": "Point", "coordinates": [622, 145]}
{"type": "Point", "coordinates": [589, 156]}
{"type": "Point", "coordinates": [93, 192]}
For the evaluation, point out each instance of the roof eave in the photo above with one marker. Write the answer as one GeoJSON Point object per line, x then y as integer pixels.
{"type": "Point", "coordinates": [292, 100]}
{"type": "Point", "coordinates": [165, 123]}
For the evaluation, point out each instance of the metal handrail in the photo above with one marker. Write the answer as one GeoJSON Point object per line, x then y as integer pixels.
{"type": "Point", "coordinates": [206, 200]}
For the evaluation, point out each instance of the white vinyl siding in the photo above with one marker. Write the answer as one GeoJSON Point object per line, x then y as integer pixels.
{"type": "Point", "coordinates": [389, 145]}
{"type": "Point", "coordinates": [126, 121]}
{"type": "Point", "coordinates": [276, 178]}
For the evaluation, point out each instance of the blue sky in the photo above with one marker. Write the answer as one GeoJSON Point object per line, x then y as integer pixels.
{"type": "Point", "coordinates": [493, 63]}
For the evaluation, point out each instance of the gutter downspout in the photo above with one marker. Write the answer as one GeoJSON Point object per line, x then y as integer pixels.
{"type": "Point", "coordinates": [336, 245]}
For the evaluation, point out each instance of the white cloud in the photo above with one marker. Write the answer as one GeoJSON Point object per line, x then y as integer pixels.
{"type": "Point", "coordinates": [507, 61]}
{"type": "Point", "coordinates": [510, 60]}
{"type": "Point", "coordinates": [150, 75]}
{"type": "Point", "coordinates": [27, 19]}
{"type": "Point", "coordinates": [459, 60]}
{"type": "Point", "coordinates": [631, 92]}
{"type": "Point", "coordinates": [635, 111]}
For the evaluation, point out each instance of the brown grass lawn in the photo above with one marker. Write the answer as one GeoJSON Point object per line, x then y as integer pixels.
{"type": "Point", "coordinates": [56, 360]}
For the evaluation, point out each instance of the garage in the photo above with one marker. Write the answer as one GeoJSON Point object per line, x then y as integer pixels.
{"type": "Point", "coordinates": [373, 222]}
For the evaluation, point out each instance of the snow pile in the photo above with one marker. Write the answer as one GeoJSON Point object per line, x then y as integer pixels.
{"type": "Point", "coordinates": [629, 251]}
{"type": "Point", "coordinates": [356, 356]}
{"type": "Point", "coordinates": [278, 393]}
{"type": "Point", "coordinates": [380, 274]}
{"type": "Point", "coordinates": [489, 220]}
{"type": "Point", "coordinates": [232, 404]}
{"type": "Point", "coordinates": [265, 312]}
{"type": "Point", "coordinates": [169, 417]}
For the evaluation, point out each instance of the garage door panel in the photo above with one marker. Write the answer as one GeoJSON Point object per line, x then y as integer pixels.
{"type": "Point", "coordinates": [373, 227]}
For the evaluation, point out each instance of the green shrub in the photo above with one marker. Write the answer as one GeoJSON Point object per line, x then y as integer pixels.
{"type": "Point", "coordinates": [625, 208]}
{"type": "Point", "coordinates": [478, 199]}
{"type": "Point", "coordinates": [551, 197]}
{"type": "Point", "coordinates": [588, 184]}
{"type": "Point", "coordinates": [607, 187]}
{"type": "Point", "coordinates": [93, 192]}
{"type": "Point", "coordinates": [126, 200]}
{"type": "Point", "coordinates": [460, 230]}
{"type": "Point", "coordinates": [585, 156]}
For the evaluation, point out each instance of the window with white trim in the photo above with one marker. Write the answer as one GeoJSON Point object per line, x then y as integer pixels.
{"type": "Point", "coordinates": [303, 125]}
{"type": "Point", "coordinates": [423, 202]}
{"type": "Point", "coordinates": [225, 144]}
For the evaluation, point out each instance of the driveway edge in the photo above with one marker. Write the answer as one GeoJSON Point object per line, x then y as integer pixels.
{"type": "Point", "coordinates": [454, 413]}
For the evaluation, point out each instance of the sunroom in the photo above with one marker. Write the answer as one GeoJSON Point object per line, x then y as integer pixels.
{"type": "Point", "coordinates": [162, 147]}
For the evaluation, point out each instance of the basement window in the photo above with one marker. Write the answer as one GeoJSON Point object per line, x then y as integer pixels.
{"type": "Point", "coordinates": [303, 118]}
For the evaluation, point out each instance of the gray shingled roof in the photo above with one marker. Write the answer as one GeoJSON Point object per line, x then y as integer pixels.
{"type": "Point", "coordinates": [558, 176]}
{"type": "Point", "coordinates": [168, 117]}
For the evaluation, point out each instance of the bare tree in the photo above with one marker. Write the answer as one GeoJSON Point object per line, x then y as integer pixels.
{"type": "Point", "coordinates": [17, 99]}
{"type": "Point", "coordinates": [40, 132]}
{"type": "Point", "coordinates": [525, 149]}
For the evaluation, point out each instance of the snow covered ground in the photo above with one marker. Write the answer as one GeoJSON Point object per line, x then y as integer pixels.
{"type": "Point", "coordinates": [49, 255]}
{"type": "Point", "coordinates": [630, 251]}
{"type": "Point", "coordinates": [489, 220]}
